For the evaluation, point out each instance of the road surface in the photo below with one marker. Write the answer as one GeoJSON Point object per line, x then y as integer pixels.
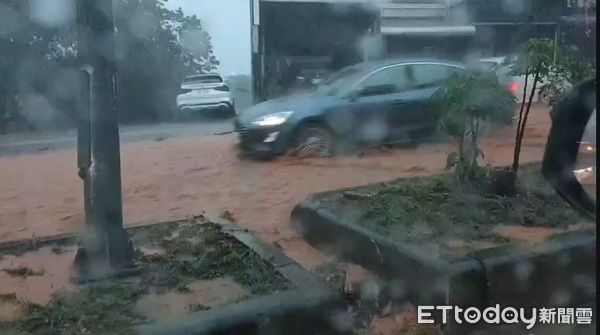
{"type": "Point", "coordinates": [12, 145]}
{"type": "Point", "coordinates": [184, 176]}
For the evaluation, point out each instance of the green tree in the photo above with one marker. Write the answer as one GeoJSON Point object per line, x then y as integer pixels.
{"type": "Point", "coordinates": [22, 52]}
{"type": "Point", "coordinates": [534, 60]}
{"type": "Point", "coordinates": [571, 67]}
{"type": "Point", "coordinates": [155, 48]}
{"type": "Point", "coordinates": [462, 103]}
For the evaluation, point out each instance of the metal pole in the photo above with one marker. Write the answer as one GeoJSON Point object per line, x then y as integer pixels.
{"type": "Point", "coordinates": [84, 158]}
{"type": "Point", "coordinates": [107, 245]}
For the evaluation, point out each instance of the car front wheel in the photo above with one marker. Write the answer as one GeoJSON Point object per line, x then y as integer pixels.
{"type": "Point", "coordinates": [314, 141]}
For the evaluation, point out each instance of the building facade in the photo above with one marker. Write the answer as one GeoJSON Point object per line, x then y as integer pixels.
{"type": "Point", "coordinates": [338, 33]}
{"type": "Point", "coordinates": [425, 27]}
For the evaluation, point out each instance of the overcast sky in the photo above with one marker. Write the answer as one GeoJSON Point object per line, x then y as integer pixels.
{"type": "Point", "coordinates": [228, 23]}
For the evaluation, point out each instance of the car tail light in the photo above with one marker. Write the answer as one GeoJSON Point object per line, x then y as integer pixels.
{"type": "Point", "coordinates": [513, 87]}
{"type": "Point", "coordinates": [223, 88]}
{"type": "Point", "coordinates": [587, 147]}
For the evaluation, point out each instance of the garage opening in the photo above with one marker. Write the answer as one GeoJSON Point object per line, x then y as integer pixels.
{"type": "Point", "coordinates": [303, 42]}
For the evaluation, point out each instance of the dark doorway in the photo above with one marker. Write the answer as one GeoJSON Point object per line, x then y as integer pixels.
{"type": "Point", "coordinates": [308, 37]}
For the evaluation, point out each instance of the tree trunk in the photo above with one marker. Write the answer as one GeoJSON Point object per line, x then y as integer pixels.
{"type": "Point", "coordinates": [521, 130]}
{"type": "Point", "coordinates": [524, 97]}
{"type": "Point", "coordinates": [474, 139]}
{"type": "Point", "coordinates": [461, 158]}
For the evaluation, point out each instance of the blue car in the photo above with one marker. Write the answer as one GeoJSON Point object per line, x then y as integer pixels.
{"type": "Point", "coordinates": [367, 103]}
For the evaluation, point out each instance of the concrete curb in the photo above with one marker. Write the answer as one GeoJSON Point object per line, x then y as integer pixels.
{"type": "Point", "coordinates": [310, 307]}
{"type": "Point", "coordinates": [561, 272]}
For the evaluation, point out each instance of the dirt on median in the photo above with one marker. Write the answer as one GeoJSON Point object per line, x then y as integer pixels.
{"type": "Point", "coordinates": [42, 195]}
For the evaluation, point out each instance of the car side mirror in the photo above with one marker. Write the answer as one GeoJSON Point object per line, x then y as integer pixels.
{"type": "Point", "coordinates": [570, 117]}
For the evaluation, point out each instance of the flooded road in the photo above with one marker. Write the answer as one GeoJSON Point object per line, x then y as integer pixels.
{"type": "Point", "coordinates": [35, 143]}
{"type": "Point", "coordinates": [177, 178]}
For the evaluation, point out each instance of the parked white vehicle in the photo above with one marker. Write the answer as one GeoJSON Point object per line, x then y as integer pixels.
{"type": "Point", "coordinates": [204, 92]}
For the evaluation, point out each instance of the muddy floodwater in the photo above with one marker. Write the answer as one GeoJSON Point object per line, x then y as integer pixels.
{"type": "Point", "coordinates": [42, 195]}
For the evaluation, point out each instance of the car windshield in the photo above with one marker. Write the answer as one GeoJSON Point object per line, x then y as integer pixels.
{"type": "Point", "coordinates": [301, 167]}
{"type": "Point", "coordinates": [205, 79]}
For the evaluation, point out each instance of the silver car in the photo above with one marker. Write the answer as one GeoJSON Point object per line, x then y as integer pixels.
{"type": "Point", "coordinates": [516, 84]}
{"type": "Point", "coordinates": [204, 92]}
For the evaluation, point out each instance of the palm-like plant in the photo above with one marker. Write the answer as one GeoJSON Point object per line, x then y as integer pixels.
{"type": "Point", "coordinates": [463, 102]}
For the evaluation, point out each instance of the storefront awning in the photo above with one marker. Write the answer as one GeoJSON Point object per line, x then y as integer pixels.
{"type": "Point", "coordinates": [429, 31]}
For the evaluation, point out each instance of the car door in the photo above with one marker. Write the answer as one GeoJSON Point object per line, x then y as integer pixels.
{"type": "Point", "coordinates": [375, 97]}
{"type": "Point", "coordinates": [415, 114]}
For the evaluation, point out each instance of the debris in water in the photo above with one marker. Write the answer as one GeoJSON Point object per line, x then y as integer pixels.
{"type": "Point", "coordinates": [57, 250]}
{"type": "Point", "coordinates": [8, 297]}
{"type": "Point", "coordinates": [197, 307]}
{"type": "Point", "coordinates": [23, 271]}
{"type": "Point", "coordinates": [416, 168]}
{"type": "Point", "coordinates": [227, 215]}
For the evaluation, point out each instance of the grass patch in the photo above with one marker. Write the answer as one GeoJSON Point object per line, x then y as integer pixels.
{"type": "Point", "coordinates": [105, 308]}
{"type": "Point", "coordinates": [194, 251]}
{"type": "Point", "coordinates": [189, 252]}
{"type": "Point", "coordinates": [428, 209]}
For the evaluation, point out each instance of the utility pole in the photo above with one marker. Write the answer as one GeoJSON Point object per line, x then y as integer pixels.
{"type": "Point", "coordinates": [105, 248]}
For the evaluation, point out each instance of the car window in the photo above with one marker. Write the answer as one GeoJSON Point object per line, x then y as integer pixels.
{"type": "Point", "coordinates": [393, 77]}
{"type": "Point", "coordinates": [430, 75]}
{"type": "Point", "coordinates": [337, 81]}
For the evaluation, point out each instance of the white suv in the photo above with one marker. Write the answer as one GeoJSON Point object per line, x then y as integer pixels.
{"type": "Point", "coordinates": [204, 92]}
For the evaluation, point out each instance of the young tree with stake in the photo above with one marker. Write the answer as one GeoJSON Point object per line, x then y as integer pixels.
{"type": "Point", "coordinates": [463, 102]}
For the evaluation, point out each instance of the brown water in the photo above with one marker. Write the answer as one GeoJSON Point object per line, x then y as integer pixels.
{"type": "Point", "coordinates": [202, 294]}
{"type": "Point", "coordinates": [42, 195]}
{"type": "Point", "coordinates": [52, 273]}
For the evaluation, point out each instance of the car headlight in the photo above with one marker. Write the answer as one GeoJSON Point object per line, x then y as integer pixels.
{"type": "Point", "coordinates": [274, 119]}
